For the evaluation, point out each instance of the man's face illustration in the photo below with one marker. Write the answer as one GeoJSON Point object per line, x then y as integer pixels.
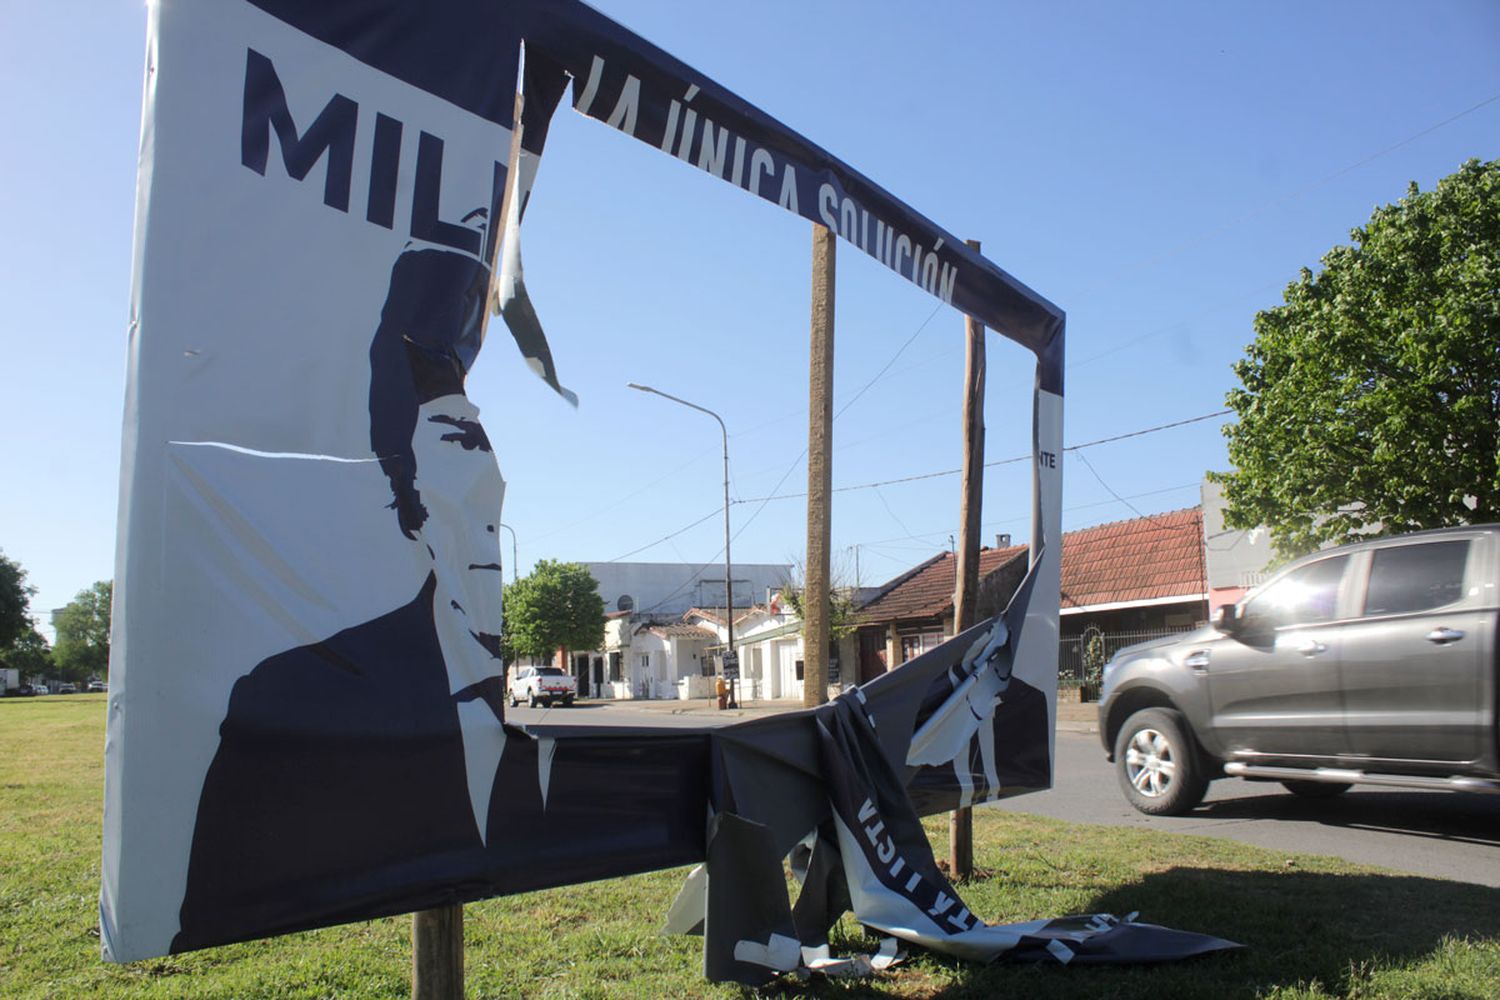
{"type": "Point", "coordinates": [462, 490]}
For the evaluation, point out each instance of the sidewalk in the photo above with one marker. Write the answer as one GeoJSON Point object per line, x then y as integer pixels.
{"type": "Point", "coordinates": [1072, 716]}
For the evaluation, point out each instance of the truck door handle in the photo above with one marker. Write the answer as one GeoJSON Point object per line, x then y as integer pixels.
{"type": "Point", "coordinates": [1311, 647]}
{"type": "Point", "coordinates": [1443, 636]}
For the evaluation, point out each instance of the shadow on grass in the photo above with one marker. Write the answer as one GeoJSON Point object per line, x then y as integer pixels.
{"type": "Point", "coordinates": [1462, 818]}
{"type": "Point", "coordinates": [1298, 928]}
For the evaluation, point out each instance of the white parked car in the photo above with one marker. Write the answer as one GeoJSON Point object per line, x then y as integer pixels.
{"type": "Point", "coordinates": [542, 686]}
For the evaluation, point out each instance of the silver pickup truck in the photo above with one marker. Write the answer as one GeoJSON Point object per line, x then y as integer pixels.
{"type": "Point", "coordinates": [1370, 663]}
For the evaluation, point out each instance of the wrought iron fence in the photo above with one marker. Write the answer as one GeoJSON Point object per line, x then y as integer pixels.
{"type": "Point", "coordinates": [1081, 658]}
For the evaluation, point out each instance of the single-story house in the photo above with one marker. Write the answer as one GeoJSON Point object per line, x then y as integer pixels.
{"type": "Point", "coordinates": [1146, 575]}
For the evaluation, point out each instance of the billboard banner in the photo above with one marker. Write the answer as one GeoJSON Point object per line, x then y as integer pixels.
{"type": "Point", "coordinates": [306, 719]}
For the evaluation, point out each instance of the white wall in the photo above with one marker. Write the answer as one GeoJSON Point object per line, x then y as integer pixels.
{"type": "Point", "coordinates": [1235, 560]}
{"type": "Point", "coordinates": [673, 588]}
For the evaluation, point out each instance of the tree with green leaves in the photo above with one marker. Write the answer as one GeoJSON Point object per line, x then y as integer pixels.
{"type": "Point", "coordinates": [841, 608]}
{"type": "Point", "coordinates": [15, 602]}
{"type": "Point", "coordinates": [82, 649]}
{"type": "Point", "coordinates": [1370, 399]}
{"type": "Point", "coordinates": [556, 607]}
{"type": "Point", "coordinates": [30, 655]}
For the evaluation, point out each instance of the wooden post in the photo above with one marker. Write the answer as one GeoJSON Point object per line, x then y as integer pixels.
{"type": "Point", "coordinates": [819, 473]}
{"type": "Point", "coordinates": [437, 953]}
{"type": "Point", "coordinates": [966, 585]}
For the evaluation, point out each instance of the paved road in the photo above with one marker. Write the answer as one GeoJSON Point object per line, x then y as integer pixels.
{"type": "Point", "coordinates": [1436, 834]}
{"type": "Point", "coordinates": [594, 713]}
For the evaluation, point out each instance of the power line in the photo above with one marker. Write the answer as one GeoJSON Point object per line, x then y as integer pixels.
{"type": "Point", "coordinates": [990, 465]}
{"type": "Point", "coordinates": [790, 469]}
{"type": "Point", "coordinates": [990, 525]}
{"type": "Point", "coordinates": [841, 411]}
{"type": "Point", "coordinates": [713, 513]}
{"type": "Point", "coordinates": [1149, 430]}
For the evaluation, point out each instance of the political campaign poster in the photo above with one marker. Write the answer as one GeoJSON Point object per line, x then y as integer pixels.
{"type": "Point", "coordinates": [306, 717]}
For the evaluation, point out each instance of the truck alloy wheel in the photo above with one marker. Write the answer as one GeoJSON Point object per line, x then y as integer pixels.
{"type": "Point", "coordinates": [1157, 764]}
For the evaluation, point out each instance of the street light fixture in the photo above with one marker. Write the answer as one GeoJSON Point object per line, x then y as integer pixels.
{"type": "Point", "coordinates": [730, 660]}
{"type": "Point", "coordinates": [515, 565]}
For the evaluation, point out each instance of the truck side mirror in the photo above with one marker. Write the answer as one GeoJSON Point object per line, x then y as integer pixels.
{"type": "Point", "coordinates": [1226, 619]}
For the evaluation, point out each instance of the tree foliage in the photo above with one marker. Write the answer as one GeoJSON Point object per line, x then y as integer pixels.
{"type": "Point", "coordinates": [842, 611]}
{"type": "Point", "coordinates": [15, 600]}
{"type": "Point", "coordinates": [29, 654]}
{"type": "Point", "coordinates": [1370, 400]}
{"type": "Point", "coordinates": [82, 649]}
{"type": "Point", "coordinates": [557, 607]}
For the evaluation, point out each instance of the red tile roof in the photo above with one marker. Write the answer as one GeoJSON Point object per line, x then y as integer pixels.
{"type": "Point", "coordinates": [717, 615]}
{"type": "Point", "coordinates": [678, 631]}
{"type": "Point", "coordinates": [927, 591]}
{"type": "Point", "coordinates": [1141, 559]}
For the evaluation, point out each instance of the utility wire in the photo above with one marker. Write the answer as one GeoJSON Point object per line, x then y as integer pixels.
{"type": "Point", "coordinates": [840, 412]}
{"type": "Point", "coordinates": [991, 465]}
{"type": "Point", "coordinates": [713, 513]}
{"type": "Point", "coordinates": [790, 469]}
{"type": "Point", "coordinates": [1198, 528]}
{"type": "Point", "coordinates": [895, 541]}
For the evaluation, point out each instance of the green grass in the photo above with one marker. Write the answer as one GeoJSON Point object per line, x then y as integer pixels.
{"type": "Point", "coordinates": [1315, 928]}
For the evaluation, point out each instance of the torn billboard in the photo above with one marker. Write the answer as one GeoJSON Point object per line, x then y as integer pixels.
{"type": "Point", "coordinates": [305, 719]}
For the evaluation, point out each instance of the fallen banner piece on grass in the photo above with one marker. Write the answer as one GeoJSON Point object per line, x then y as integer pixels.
{"type": "Point", "coordinates": [830, 787]}
{"type": "Point", "coordinates": [306, 722]}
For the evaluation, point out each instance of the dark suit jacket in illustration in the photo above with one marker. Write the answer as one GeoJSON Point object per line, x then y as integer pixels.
{"type": "Point", "coordinates": [1020, 752]}
{"type": "Point", "coordinates": [338, 792]}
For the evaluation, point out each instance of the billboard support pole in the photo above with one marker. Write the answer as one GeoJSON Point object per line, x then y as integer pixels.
{"type": "Point", "coordinates": [966, 585]}
{"type": "Point", "coordinates": [437, 953]}
{"type": "Point", "coordinates": [815, 604]}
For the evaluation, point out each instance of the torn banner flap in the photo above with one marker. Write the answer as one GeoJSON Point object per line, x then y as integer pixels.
{"type": "Point", "coordinates": [978, 681]}
{"type": "Point", "coordinates": [896, 887]}
{"type": "Point", "coordinates": [544, 81]}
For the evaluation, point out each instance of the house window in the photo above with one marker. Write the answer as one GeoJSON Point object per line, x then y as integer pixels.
{"type": "Point", "coordinates": [800, 669]}
{"type": "Point", "coordinates": [614, 667]}
{"type": "Point", "coordinates": [646, 661]}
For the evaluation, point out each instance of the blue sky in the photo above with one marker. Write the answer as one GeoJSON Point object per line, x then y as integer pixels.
{"type": "Point", "coordinates": [1160, 171]}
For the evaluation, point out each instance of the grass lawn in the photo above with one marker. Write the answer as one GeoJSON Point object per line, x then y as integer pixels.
{"type": "Point", "coordinates": [1314, 928]}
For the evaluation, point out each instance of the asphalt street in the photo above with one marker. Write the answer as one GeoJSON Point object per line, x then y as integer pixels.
{"type": "Point", "coordinates": [1434, 834]}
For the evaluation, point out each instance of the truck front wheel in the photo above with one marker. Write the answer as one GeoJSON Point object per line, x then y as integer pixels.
{"type": "Point", "coordinates": [1157, 765]}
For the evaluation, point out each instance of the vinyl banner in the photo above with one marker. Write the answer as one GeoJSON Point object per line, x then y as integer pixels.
{"type": "Point", "coordinates": [305, 716]}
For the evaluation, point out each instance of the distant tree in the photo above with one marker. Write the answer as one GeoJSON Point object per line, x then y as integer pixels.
{"type": "Point", "coordinates": [29, 654]}
{"type": "Point", "coordinates": [15, 600]}
{"type": "Point", "coordinates": [841, 607]}
{"type": "Point", "coordinates": [557, 607]}
{"type": "Point", "coordinates": [1370, 399]}
{"type": "Point", "coordinates": [82, 649]}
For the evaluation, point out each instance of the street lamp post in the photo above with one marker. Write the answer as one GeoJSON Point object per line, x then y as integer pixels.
{"type": "Point", "coordinates": [515, 565]}
{"type": "Point", "coordinates": [729, 657]}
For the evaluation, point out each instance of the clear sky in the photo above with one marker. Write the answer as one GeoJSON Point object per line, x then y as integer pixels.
{"type": "Point", "coordinates": [1160, 171]}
